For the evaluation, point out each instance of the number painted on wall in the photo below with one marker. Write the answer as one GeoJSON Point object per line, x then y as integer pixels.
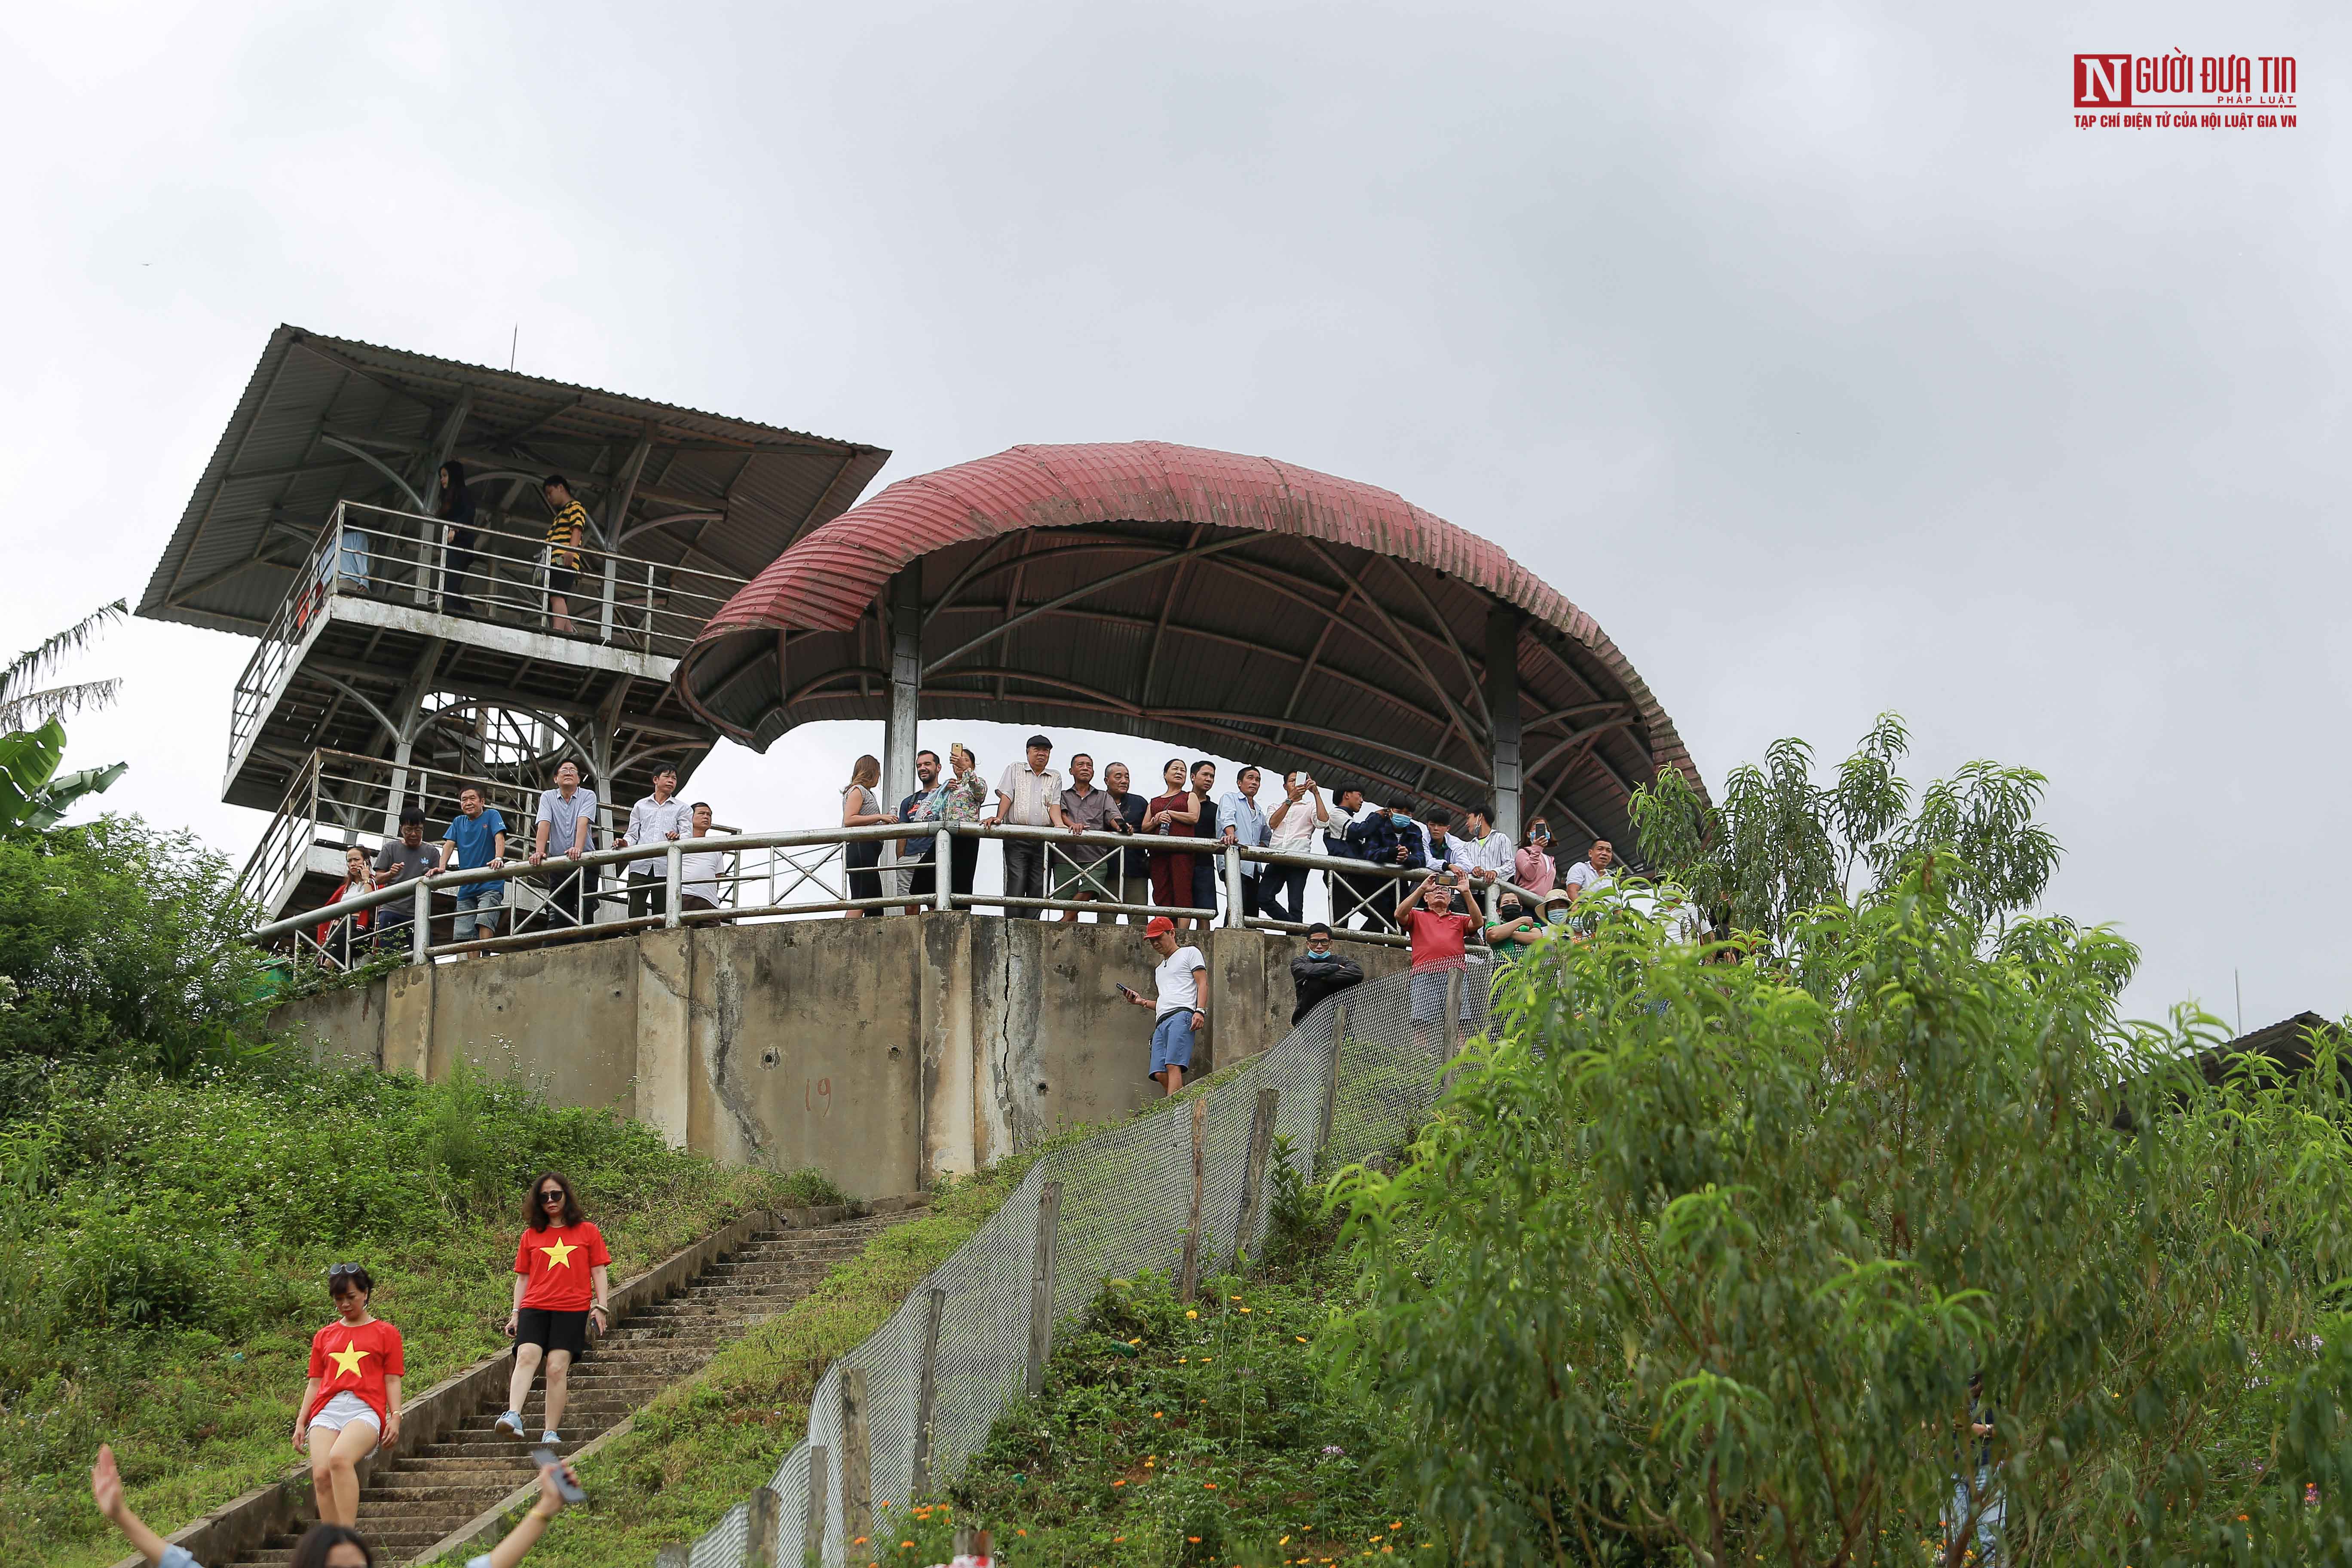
{"type": "Point", "coordinates": [818, 1096]}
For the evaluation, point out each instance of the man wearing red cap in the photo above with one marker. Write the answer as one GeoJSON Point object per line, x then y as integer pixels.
{"type": "Point", "coordinates": [1177, 1015]}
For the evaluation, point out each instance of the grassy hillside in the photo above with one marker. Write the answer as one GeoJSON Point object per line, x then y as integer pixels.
{"type": "Point", "coordinates": [164, 1244]}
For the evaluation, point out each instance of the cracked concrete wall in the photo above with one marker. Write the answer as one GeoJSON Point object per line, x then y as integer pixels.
{"type": "Point", "coordinates": [806, 1049]}
{"type": "Point", "coordinates": [884, 1052]}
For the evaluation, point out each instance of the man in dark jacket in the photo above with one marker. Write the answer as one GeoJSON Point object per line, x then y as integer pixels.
{"type": "Point", "coordinates": [1383, 836]}
{"type": "Point", "coordinates": [1319, 972]}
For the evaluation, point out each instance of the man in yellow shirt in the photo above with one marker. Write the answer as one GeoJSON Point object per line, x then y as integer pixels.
{"type": "Point", "coordinates": [567, 531]}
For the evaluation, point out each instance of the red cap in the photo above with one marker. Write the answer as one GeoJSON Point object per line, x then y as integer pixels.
{"type": "Point", "coordinates": [1159, 925]}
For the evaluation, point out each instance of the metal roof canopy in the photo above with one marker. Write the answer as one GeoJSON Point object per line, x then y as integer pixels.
{"type": "Point", "coordinates": [326, 419]}
{"type": "Point", "coordinates": [1204, 599]}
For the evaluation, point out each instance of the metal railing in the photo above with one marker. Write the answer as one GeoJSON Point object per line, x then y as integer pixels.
{"type": "Point", "coordinates": [810, 872]}
{"type": "Point", "coordinates": [492, 576]}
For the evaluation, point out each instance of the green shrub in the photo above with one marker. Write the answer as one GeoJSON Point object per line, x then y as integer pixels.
{"type": "Point", "coordinates": [119, 938]}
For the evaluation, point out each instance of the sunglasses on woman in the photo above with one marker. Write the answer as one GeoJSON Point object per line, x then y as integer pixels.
{"type": "Point", "coordinates": [342, 1271]}
{"type": "Point", "coordinates": [551, 1195]}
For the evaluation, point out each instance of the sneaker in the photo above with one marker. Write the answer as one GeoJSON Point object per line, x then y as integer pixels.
{"type": "Point", "coordinates": [550, 1438]}
{"type": "Point", "coordinates": [510, 1424]}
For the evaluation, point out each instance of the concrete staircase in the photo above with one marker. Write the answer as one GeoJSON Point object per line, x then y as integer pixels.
{"type": "Point", "coordinates": [412, 1504]}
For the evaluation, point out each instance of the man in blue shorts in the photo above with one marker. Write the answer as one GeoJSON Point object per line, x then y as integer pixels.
{"type": "Point", "coordinates": [1180, 981]}
{"type": "Point", "coordinates": [477, 837]}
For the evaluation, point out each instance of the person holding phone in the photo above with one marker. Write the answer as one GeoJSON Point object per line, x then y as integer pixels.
{"type": "Point", "coordinates": [1181, 980]}
{"type": "Point", "coordinates": [562, 1285]}
{"type": "Point", "coordinates": [327, 1545]}
{"type": "Point", "coordinates": [1298, 817]}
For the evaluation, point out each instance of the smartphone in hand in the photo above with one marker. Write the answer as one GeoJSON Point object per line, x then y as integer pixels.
{"type": "Point", "coordinates": [1130, 992]}
{"type": "Point", "coordinates": [565, 1487]}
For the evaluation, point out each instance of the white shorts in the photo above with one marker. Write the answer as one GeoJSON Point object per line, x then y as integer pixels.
{"type": "Point", "coordinates": [342, 1410]}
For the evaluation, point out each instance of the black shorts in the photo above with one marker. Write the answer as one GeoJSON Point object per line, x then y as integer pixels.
{"type": "Point", "coordinates": [552, 1331]}
{"type": "Point", "coordinates": [564, 582]}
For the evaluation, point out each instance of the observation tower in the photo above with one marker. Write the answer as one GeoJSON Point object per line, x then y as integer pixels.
{"type": "Point", "coordinates": [398, 658]}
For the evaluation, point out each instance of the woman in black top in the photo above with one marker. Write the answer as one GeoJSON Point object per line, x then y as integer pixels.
{"type": "Point", "coordinates": [1208, 865]}
{"type": "Point", "coordinates": [456, 512]}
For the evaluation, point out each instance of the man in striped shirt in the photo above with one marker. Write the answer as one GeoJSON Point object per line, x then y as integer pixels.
{"type": "Point", "coordinates": [567, 531]}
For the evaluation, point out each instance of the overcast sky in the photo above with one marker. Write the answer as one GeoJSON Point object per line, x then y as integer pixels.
{"type": "Point", "coordinates": [1815, 353]}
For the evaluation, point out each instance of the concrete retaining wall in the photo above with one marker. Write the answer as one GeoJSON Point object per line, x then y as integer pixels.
{"type": "Point", "coordinates": [883, 1052]}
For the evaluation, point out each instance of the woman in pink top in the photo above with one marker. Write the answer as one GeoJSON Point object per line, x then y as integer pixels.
{"type": "Point", "coordinates": [1532, 866]}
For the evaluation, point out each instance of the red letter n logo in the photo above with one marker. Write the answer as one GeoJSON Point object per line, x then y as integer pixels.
{"type": "Point", "coordinates": [2103, 81]}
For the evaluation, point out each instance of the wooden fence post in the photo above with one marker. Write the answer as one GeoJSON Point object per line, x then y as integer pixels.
{"type": "Point", "coordinates": [1189, 1281]}
{"type": "Point", "coordinates": [1330, 1084]}
{"type": "Point", "coordinates": [820, 1502]}
{"type": "Point", "coordinates": [1453, 1014]}
{"type": "Point", "coordinates": [1269, 1101]}
{"type": "Point", "coordinates": [857, 1475]}
{"type": "Point", "coordinates": [676, 1554]}
{"type": "Point", "coordinates": [760, 1530]}
{"type": "Point", "coordinates": [1041, 1285]}
{"type": "Point", "coordinates": [926, 1394]}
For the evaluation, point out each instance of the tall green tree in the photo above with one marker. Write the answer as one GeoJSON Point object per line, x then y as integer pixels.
{"type": "Point", "coordinates": [1783, 843]}
{"type": "Point", "coordinates": [1695, 1265]}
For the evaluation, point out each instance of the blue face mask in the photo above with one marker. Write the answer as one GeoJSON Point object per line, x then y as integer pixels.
{"type": "Point", "coordinates": [1401, 819]}
{"type": "Point", "coordinates": [1556, 917]}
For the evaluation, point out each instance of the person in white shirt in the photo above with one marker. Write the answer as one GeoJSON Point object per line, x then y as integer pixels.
{"type": "Point", "coordinates": [660, 818]}
{"type": "Point", "coordinates": [699, 868]}
{"type": "Point", "coordinates": [1028, 795]}
{"type": "Point", "coordinates": [566, 828]}
{"type": "Point", "coordinates": [1489, 856]}
{"type": "Point", "coordinates": [1298, 817]}
{"type": "Point", "coordinates": [1180, 981]}
{"type": "Point", "coordinates": [1597, 869]}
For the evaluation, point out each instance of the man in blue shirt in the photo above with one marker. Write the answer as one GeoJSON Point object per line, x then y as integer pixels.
{"type": "Point", "coordinates": [1239, 821]}
{"type": "Point", "coordinates": [477, 837]}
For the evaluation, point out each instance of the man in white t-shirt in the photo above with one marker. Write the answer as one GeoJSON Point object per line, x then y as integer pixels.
{"type": "Point", "coordinates": [699, 868]}
{"type": "Point", "coordinates": [1298, 817]}
{"type": "Point", "coordinates": [1180, 981]}
{"type": "Point", "coordinates": [1597, 869]}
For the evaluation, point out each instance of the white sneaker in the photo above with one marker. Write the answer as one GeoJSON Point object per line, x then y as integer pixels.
{"type": "Point", "coordinates": [510, 1424]}
{"type": "Point", "coordinates": [550, 1438]}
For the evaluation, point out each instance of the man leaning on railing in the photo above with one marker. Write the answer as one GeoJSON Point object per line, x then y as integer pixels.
{"type": "Point", "coordinates": [566, 829]}
{"type": "Point", "coordinates": [477, 838]}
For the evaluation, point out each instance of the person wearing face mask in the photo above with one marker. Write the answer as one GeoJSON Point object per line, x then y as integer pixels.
{"type": "Point", "coordinates": [1513, 931]}
{"type": "Point", "coordinates": [1386, 837]}
{"type": "Point", "coordinates": [1556, 906]}
{"type": "Point", "coordinates": [1319, 971]}
{"type": "Point", "coordinates": [1533, 867]}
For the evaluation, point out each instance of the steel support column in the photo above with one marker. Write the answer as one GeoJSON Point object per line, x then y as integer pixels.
{"type": "Point", "coordinates": [1503, 710]}
{"type": "Point", "coordinates": [906, 687]}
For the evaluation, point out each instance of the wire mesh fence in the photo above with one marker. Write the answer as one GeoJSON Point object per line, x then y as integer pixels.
{"type": "Point", "coordinates": [897, 1418]}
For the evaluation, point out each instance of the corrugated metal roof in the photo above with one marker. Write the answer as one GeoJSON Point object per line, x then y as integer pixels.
{"type": "Point", "coordinates": [274, 478]}
{"type": "Point", "coordinates": [1289, 633]}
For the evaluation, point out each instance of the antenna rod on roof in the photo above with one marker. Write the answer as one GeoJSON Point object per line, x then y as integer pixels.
{"type": "Point", "coordinates": [512, 339]}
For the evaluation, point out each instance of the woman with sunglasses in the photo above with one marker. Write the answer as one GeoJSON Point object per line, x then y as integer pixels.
{"type": "Point", "coordinates": [325, 1545]}
{"type": "Point", "coordinates": [352, 1401]}
{"type": "Point", "coordinates": [561, 1282]}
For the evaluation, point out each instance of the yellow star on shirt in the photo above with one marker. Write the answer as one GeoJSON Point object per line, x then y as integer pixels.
{"type": "Point", "coordinates": [559, 1254]}
{"type": "Point", "coordinates": [347, 1360]}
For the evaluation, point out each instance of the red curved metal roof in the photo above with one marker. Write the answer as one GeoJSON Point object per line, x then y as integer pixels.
{"type": "Point", "coordinates": [829, 580]}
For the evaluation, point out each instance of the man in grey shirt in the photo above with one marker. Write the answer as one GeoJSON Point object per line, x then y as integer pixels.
{"type": "Point", "coordinates": [566, 830]}
{"type": "Point", "coordinates": [1085, 810]}
{"type": "Point", "coordinates": [402, 860]}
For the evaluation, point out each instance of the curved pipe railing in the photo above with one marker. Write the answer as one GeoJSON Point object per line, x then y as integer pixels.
{"type": "Point", "coordinates": [832, 843]}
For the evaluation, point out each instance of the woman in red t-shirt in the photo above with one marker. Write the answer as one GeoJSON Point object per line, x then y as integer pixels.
{"type": "Point", "coordinates": [357, 879]}
{"type": "Point", "coordinates": [353, 1400]}
{"type": "Point", "coordinates": [1172, 815]}
{"type": "Point", "coordinates": [560, 1281]}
